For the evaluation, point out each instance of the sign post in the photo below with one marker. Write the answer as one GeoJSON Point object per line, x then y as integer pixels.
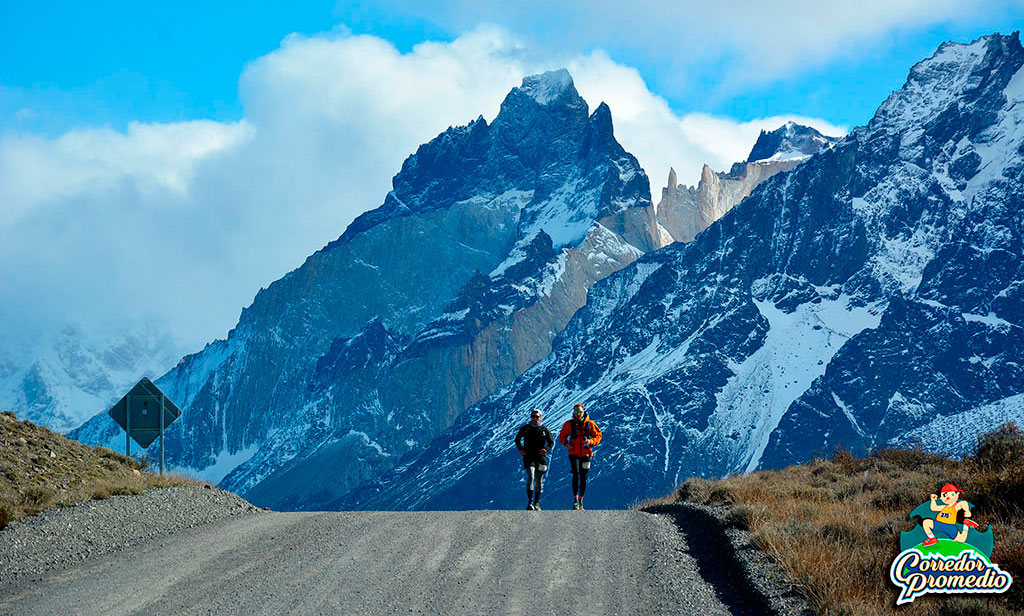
{"type": "Point", "coordinates": [127, 427]}
{"type": "Point", "coordinates": [144, 413]}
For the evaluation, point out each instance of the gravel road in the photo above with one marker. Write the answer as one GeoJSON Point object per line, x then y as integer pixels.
{"type": "Point", "coordinates": [477, 562]}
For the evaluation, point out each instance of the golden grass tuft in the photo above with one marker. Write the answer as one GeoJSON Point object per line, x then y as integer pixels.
{"type": "Point", "coordinates": [40, 469]}
{"type": "Point", "coordinates": [833, 525]}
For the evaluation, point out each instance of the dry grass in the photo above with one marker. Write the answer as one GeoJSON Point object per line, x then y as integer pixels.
{"type": "Point", "coordinates": [40, 469]}
{"type": "Point", "coordinates": [833, 525]}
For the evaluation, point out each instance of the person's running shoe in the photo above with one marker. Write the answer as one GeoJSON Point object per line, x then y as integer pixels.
{"type": "Point", "coordinates": [930, 541]}
{"type": "Point", "coordinates": [576, 505]}
{"type": "Point", "coordinates": [581, 504]}
{"type": "Point", "coordinates": [536, 507]}
{"type": "Point", "coordinates": [529, 507]}
{"type": "Point", "coordinates": [971, 524]}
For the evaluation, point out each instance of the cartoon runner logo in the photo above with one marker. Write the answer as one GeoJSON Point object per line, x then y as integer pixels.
{"type": "Point", "coordinates": [943, 555]}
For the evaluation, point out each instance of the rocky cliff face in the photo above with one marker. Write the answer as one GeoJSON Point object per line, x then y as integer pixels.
{"type": "Point", "coordinates": [685, 211]}
{"type": "Point", "coordinates": [678, 210]}
{"type": "Point", "coordinates": [458, 283]}
{"type": "Point", "coordinates": [870, 296]}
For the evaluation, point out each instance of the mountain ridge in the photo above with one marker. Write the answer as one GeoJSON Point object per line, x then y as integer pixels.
{"type": "Point", "coordinates": [495, 231]}
{"type": "Point", "coordinates": [784, 328]}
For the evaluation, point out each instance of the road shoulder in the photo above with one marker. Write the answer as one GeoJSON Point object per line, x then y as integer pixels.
{"type": "Point", "coordinates": [65, 537]}
{"type": "Point", "coordinates": [748, 568]}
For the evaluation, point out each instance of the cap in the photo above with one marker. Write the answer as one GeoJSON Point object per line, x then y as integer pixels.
{"type": "Point", "coordinates": [950, 488]}
{"type": "Point", "coordinates": [536, 412]}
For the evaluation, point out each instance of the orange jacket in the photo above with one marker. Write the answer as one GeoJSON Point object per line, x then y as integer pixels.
{"type": "Point", "coordinates": [573, 434]}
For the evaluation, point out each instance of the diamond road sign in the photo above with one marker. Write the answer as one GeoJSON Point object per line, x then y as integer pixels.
{"type": "Point", "coordinates": [140, 412]}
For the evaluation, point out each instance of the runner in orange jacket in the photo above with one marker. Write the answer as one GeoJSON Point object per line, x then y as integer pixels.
{"type": "Point", "coordinates": [580, 434]}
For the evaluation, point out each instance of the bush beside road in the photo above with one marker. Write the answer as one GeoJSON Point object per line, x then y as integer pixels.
{"type": "Point", "coordinates": [40, 469]}
{"type": "Point", "coordinates": [833, 525]}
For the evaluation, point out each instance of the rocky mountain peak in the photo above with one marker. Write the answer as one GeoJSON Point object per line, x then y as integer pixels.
{"type": "Point", "coordinates": [869, 297]}
{"type": "Point", "coordinates": [599, 143]}
{"type": "Point", "coordinates": [684, 211]}
{"type": "Point", "coordinates": [789, 141]}
{"type": "Point", "coordinates": [944, 87]}
{"type": "Point", "coordinates": [547, 95]}
{"type": "Point", "coordinates": [540, 122]}
{"type": "Point", "coordinates": [480, 254]}
{"type": "Point", "coordinates": [548, 87]}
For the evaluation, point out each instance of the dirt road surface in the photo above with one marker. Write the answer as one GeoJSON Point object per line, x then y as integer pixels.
{"type": "Point", "coordinates": [475, 562]}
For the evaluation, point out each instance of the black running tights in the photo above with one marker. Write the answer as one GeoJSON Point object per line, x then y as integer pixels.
{"type": "Point", "coordinates": [580, 468]}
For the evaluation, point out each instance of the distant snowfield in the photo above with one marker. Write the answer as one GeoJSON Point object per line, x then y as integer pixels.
{"type": "Point", "coordinates": [224, 464]}
{"type": "Point", "coordinates": [798, 347]}
{"type": "Point", "coordinates": [958, 434]}
{"type": "Point", "coordinates": [61, 380]}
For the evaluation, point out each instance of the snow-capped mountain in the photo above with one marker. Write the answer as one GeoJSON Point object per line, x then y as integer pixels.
{"type": "Point", "coordinates": [872, 295]}
{"type": "Point", "coordinates": [685, 211]}
{"type": "Point", "coordinates": [61, 380]}
{"type": "Point", "coordinates": [454, 286]}
{"type": "Point", "coordinates": [791, 141]}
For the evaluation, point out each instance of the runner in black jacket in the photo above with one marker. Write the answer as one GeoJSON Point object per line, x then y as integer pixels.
{"type": "Point", "coordinates": [533, 441]}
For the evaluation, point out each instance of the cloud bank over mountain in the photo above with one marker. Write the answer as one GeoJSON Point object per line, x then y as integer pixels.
{"type": "Point", "coordinates": [183, 222]}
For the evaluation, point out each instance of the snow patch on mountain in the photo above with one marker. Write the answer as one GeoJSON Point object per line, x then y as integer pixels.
{"type": "Point", "coordinates": [958, 434]}
{"type": "Point", "coordinates": [932, 85]}
{"type": "Point", "coordinates": [995, 147]}
{"type": "Point", "coordinates": [609, 248]}
{"type": "Point", "coordinates": [60, 381]}
{"type": "Point", "coordinates": [798, 347]}
{"type": "Point", "coordinates": [225, 462]}
{"type": "Point", "coordinates": [566, 215]}
{"type": "Point", "coordinates": [547, 87]}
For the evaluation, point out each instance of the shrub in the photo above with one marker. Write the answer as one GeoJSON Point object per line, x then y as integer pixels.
{"type": "Point", "coordinates": [998, 478]}
{"type": "Point", "coordinates": [844, 490]}
{"type": "Point", "coordinates": [912, 458]}
{"type": "Point", "coordinates": [1001, 448]}
{"type": "Point", "coordinates": [48, 470]}
{"type": "Point", "coordinates": [695, 490]}
{"type": "Point", "coordinates": [9, 471]}
{"type": "Point", "coordinates": [743, 517]}
{"type": "Point", "coordinates": [837, 532]}
{"type": "Point", "coordinates": [37, 496]}
{"type": "Point", "coordinates": [844, 458]}
{"type": "Point", "coordinates": [891, 528]}
{"type": "Point", "coordinates": [833, 525]}
{"type": "Point", "coordinates": [875, 481]}
{"type": "Point", "coordinates": [720, 495]}
{"type": "Point", "coordinates": [1010, 556]}
{"type": "Point", "coordinates": [906, 494]}
{"type": "Point", "coordinates": [970, 606]}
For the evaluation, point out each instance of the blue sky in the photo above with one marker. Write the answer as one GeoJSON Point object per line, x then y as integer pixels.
{"type": "Point", "coordinates": [109, 63]}
{"type": "Point", "coordinates": [218, 144]}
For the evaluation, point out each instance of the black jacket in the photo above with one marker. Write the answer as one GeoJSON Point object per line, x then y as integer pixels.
{"type": "Point", "coordinates": [532, 439]}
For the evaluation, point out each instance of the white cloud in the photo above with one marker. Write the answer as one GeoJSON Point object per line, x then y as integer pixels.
{"type": "Point", "coordinates": [158, 157]}
{"type": "Point", "coordinates": [184, 222]}
{"type": "Point", "coordinates": [730, 141]}
{"type": "Point", "coordinates": [648, 128]}
{"type": "Point", "coordinates": [738, 41]}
